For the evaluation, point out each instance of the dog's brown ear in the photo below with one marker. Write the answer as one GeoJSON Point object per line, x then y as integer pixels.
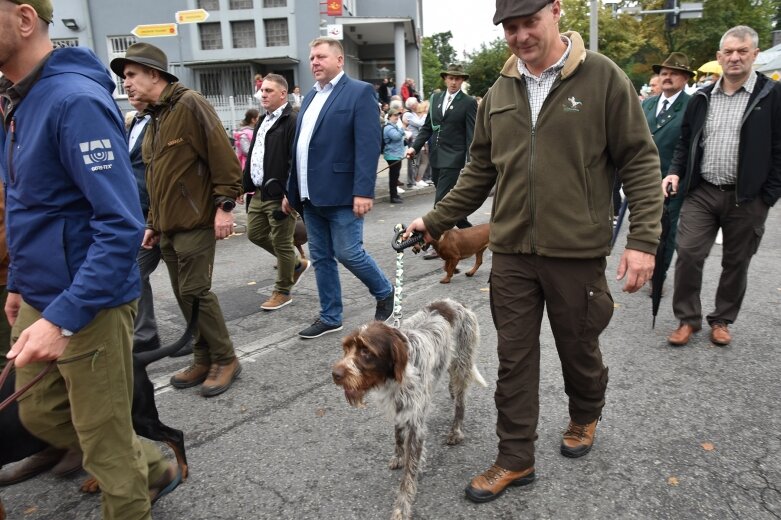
{"type": "Point", "coordinates": [400, 355]}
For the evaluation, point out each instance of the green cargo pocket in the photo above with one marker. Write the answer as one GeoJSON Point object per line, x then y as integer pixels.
{"type": "Point", "coordinates": [599, 309]}
{"type": "Point", "coordinates": [89, 388]}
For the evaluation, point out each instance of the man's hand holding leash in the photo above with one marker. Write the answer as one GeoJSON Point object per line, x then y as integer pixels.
{"type": "Point", "coordinates": [418, 225]}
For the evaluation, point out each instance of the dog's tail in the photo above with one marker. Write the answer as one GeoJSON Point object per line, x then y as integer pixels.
{"type": "Point", "coordinates": [145, 358]}
{"type": "Point", "coordinates": [477, 377]}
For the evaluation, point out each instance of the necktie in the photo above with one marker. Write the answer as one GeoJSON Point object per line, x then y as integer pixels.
{"type": "Point", "coordinates": [662, 113]}
{"type": "Point", "coordinates": [448, 99]}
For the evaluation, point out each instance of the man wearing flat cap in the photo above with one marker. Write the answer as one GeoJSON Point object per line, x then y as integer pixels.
{"type": "Point", "coordinates": [450, 125]}
{"type": "Point", "coordinates": [550, 134]}
{"type": "Point", "coordinates": [193, 178]}
{"type": "Point", "coordinates": [73, 227]}
{"type": "Point", "coordinates": [664, 114]}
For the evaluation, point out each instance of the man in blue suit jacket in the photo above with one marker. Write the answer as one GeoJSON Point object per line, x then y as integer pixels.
{"type": "Point", "coordinates": [664, 114]}
{"type": "Point", "coordinates": [335, 155]}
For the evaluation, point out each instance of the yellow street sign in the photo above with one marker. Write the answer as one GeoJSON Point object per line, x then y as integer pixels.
{"type": "Point", "coordinates": [155, 30]}
{"type": "Point", "coordinates": [191, 16]}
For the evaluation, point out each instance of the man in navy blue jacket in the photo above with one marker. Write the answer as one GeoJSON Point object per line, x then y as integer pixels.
{"type": "Point", "coordinates": [74, 226]}
{"type": "Point", "coordinates": [335, 155]}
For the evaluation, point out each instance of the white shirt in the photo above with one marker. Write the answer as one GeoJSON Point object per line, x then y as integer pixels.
{"type": "Point", "coordinates": [307, 129]}
{"type": "Point", "coordinates": [670, 101]}
{"type": "Point", "coordinates": [259, 150]}
{"type": "Point", "coordinates": [448, 99]}
{"type": "Point", "coordinates": [136, 131]}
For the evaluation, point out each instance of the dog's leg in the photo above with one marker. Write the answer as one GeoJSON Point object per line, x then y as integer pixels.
{"type": "Point", "coordinates": [397, 461]}
{"type": "Point", "coordinates": [413, 459]}
{"type": "Point", "coordinates": [458, 390]}
{"type": "Point", "coordinates": [450, 268]}
{"type": "Point", "coordinates": [478, 263]}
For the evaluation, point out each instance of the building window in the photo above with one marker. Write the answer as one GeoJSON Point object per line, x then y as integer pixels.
{"type": "Point", "coordinates": [276, 32]}
{"type": "Point", "coordinates": [274, 3]}
{"type": "Point", "coordinates": [240, 4]}
{"type": "Point", "coordinates": [243, 34]}
{"type": "Point", "coordinates": [211, 36]}
{"type": "Point", "coordinates": [117, 47]}
{"type": "Point", "coordinates": [65, 42]}
{"type": "Point", "coordinates": [209, 5]}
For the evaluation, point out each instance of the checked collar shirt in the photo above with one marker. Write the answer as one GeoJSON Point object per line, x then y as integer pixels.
{"type": "Point", "coordinates": [538, 88]}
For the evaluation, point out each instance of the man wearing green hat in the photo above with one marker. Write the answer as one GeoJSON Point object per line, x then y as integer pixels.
{"type": "Point", "coordinates": [664, 114]}
{"type": "Point", "coordinates": [450, 124]}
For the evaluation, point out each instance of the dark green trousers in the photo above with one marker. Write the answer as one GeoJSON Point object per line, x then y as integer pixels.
{"type": "Point", "coordinates": [86, 402]}
{"type": "Point", "coordinates": [275, 236]}
{"type": "Point", "coordinates": [445, 180]}
{"type": "Point", "coordinates": [189, 257]}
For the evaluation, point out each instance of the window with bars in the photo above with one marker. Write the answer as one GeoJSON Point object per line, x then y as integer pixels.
{"type": "Point", "coordinates": [243, 33]}
{"type": "Point", "coordinates": [276, 32]}
{"type": "Point", "coordinates": [211, 36]}
{"type": "Point", "coordinates": [117, 47]}
{"type": "Point", "coordinates": [274, 3]}
{"type": "Point", "coordinates": [240, 4]}
{"type": "Point", "coordinates": [209, 5]}
{"type": "Point", "coordinates": [65, 42]}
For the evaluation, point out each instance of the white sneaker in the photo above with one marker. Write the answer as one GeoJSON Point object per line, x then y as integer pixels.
{"type": "Point", "coordinates": [400, 190]}
{"type": "Point", "coordinates": [719, 237]}
{"type": "Point", "coordinates": [421, 184]}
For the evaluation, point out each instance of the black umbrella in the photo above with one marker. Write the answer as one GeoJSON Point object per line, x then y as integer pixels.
{"type": "Point", "coordinates": [657, 278]}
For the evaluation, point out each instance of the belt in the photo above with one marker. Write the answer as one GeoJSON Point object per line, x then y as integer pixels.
{"type": "Point", "coordinates": [720, 187]}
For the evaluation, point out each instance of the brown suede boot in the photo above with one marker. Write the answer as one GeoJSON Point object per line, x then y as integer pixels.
{"type": "Point", "coordinates": [191, 376]}
{"type": "Point", "coordinates": [220, 378]}
{"type": "Point", "coordinates": [490, 484]}
{"type": "Point", "coordinates": [578, 439]}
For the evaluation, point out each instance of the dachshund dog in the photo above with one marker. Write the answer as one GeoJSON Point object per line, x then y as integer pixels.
{"type": "Point", "coordinates": [458, 244]}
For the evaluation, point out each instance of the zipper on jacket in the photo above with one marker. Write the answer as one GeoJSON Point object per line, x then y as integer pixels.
{"type": "Point", "coordinates": [187, 197]}
{"type": "Point", "coordinates": [531, 189]}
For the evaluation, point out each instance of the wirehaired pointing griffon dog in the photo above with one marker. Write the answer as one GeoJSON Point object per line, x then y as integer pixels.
{"type": "Point", "coordinates": [403, 366]}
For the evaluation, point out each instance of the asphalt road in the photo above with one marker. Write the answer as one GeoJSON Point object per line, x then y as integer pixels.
{"type": "Point", "coordinates": [689, 433]}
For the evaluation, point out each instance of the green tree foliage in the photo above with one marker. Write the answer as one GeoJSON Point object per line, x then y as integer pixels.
{"type": "Point", "coordinates": [440, 43]}
{"type": "Point", "coordinates": [485, 64]}
{"type": "Point", "coordinates": [431, 68]}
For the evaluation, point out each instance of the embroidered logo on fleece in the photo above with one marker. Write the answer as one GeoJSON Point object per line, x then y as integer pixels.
{"type": "Point", "coordinates": [572, 105]}
{"type": "Point", "coordinates": [95, 152]}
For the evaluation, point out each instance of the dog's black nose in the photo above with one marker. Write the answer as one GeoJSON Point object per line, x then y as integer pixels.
{"type": "Point", "coordinates": [338, 374]}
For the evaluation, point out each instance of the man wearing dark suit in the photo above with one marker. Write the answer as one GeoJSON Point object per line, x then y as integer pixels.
{"type": "Point", "coordinates": [450, 124]}
{"type": "Point", "coordinates": [332, 182]}
{"type": "Point", "coordinates": [665, 114]}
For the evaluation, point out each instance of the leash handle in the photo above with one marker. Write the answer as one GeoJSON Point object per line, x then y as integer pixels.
{"type": "Point", "coordinates": [16, 395]}
{"type": "Point", "coordinates": [400, 245]}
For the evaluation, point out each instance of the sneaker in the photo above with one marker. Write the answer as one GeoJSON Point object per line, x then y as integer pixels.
{"type": "Point", "coordinates": [277, 301]}
{"type": "Point", "coordinates": [301, 268]}
{"type": "Point", "coordinates": [385, 307]}
{"type": "Point", "coordinates": [399, 190]}
{"type": "Point", "coordinates": [191, 376]}
{"type": "Point", "coordinates": [220, 378]}
{"type": "Point", "coordinates": [317, 329]}
{"type": "Point", "coordinates": [430, 183]}
{"type": "Point", "coordinates": [578, 439]}
{"type": "Point", "coordinates": [490, 484]}
{"type": "Point", "coordinates": [421, 184]}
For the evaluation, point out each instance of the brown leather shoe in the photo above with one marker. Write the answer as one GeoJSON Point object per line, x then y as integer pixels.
{"type": "Point", "coordinates": [682, 334]}
{"type": "Point", "coordinates": [191, 376]}
{"type": "Point", "coordinates": [69, 463]}
{"type": "Point", "coordinates": [578, 439]}
{"type": "Point", "coordinates": [31, 466]}
{"type": "Point", "coordinates": [719, 333]}
{"type": "Point", "coordinates": [220, 378]}
{"type": "Point", "coordinates": [490, 484]}
{"type": "Point", "coordinates": [166, 483]}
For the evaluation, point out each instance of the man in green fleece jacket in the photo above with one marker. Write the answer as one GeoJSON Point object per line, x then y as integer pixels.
{"type": "Point", "coordinates": [551, 133]}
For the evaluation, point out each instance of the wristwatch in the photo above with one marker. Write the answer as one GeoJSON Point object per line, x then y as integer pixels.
{"type": "Point", "coordinates": [227, 205]}
{"type": "Point", "coordinates": [65, 333]}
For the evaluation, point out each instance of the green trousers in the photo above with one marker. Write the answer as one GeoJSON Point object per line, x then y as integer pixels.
{"type": "Point", "coordinates": [275, 236]}
{"type": "Point", "coordinates": [189, 257]}
{"type": "Point", "coordinates": [86, 402]}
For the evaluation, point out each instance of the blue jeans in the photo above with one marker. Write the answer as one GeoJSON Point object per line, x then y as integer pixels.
{"type": "Point", "coordinates": [335, 233]}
